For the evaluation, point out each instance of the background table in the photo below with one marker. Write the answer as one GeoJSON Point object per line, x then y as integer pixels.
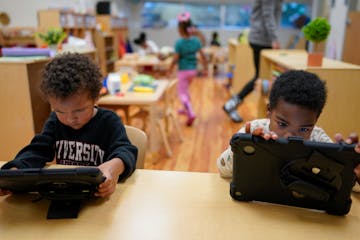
{"type": "Point", "coordinates": [140, 64]}
{"type": "Point", "coordinates": [149, 100]}
{"type": "Point", "coordinates": [174, 205]}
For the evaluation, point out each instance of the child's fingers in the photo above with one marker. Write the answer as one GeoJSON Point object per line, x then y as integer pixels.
{"type": "Point", "coordinates": [357, 172]}
{"type": "Point", "coordinates": [4, 192]}
{"type": "Point", "coordinates": [248, 127]}
{"type": "Point", "coordinates": [273, 135]}
{"type": "Point", "coordinates": [357, 149]}
{"type": "Point", "coordinates": [338, 138]}
{"type": "Point", "coordinates": [259, 131]}
{"type": "Point", "coordinates": [357, 169]}
{"type": "Point", "coordinates": [353, 138]}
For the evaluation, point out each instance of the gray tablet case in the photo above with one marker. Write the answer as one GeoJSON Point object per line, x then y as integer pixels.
{"type": "Point", "coordinates": [293, 172]}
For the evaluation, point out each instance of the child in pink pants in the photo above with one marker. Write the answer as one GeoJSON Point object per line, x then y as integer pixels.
{"type": "Point", "coordinates": [186, 49]}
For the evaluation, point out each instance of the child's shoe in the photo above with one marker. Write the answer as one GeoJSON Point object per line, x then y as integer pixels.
{"type": "Point", "coordinates": [230, 108]}
{"type": "Point", "coordinates": [231, 104]}
{"type": "Point", "coordinates": [191, 119]}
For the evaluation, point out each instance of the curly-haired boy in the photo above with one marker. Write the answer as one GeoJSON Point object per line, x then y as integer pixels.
{"type": "Point", "coordinates": [77, 132]}
{"type": "Point", "coordinates": [296, 101]}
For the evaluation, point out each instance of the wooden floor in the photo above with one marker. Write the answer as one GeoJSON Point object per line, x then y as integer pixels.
{"type": "Point", "coordinates": [210, 133]}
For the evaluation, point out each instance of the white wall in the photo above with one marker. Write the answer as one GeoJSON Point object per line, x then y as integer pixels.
{"type": "Point", "coordinates": [337, 20]}
{"type": "Point", "coordinates": [24, 13]}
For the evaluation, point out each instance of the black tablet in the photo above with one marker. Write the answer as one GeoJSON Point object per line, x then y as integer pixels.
{"type": "Point", "coordinates": [64, 187]}
{"type": "Point", "coordinates": [53, 183]}
{"type": "Point", "coordinates": [293, 172]}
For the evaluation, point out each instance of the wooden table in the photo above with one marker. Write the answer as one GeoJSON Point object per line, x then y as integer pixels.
{"type": "Point", "coordinates": [149, 100]}
{"type": "Point", "coordinates": [155, 204]}
{"type": "Point", "coordinates": [341, 112]}
{"type": "Point", "coordinates": [139, 62]}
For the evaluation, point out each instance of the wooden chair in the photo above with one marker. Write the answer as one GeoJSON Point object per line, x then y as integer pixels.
{"type": "Point", "coordinates": [170, 110]}
{"type": "Point", "coordinates": [165, 116]}
{"type": "Point", "coordinates": [139, 139]}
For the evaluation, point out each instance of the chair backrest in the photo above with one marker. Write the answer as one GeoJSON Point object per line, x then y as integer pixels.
{"type": "Point", "coordinates": [139, 139]}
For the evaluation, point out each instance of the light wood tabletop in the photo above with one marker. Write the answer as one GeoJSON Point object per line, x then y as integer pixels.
{"type": "Point", "coordinates": [154, 204]}
{"type": "Point", "coordinates": [136, 61]}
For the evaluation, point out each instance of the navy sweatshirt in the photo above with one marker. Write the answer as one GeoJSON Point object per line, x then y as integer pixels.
{"type": "Point", "coordinates": [101, 139]}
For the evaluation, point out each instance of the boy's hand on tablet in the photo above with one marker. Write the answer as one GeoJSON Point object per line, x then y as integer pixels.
{"type": "Point", "coordinates": [352, 139]}
{"type": "Point", "coordinates": [260, 132]}
{"type": "Point", "coordinates": [4, 192]}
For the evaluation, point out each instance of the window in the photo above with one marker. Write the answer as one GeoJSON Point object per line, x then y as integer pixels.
{"type": "Point", "coordinates": [293, 11]}
{"type": "Point", "coordinates": [236, 15]}
{"type": "Point", "coordinates": [204, 15]}
{"type": "Point", "coordinates": [162, 14]}
{"type": "Point", "coordinates": [159, 14]}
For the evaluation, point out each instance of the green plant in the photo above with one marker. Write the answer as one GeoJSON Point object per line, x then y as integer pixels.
{"type": "Point", "coordinates": [53, 36]}
{"type": "Point", "coordinates": [317, 30]}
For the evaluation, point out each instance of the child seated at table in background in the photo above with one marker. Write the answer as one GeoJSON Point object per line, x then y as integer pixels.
{"type": "Point", "coordinates": [77, 132]}
{"type": "Point", "coordinates": [296, 101]}
{"type": "Point", "coordinates": [146, 46]}
{"type": "Point", "coordinates": [215, 40]}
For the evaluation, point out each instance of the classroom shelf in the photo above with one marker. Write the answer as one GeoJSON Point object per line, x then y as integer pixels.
{"type": "Point", "coordinates": [115, 25]}
{"type": "Point", "coordinates": [72, 23]}
{"type": "Point", "coordinates": [106, 51]}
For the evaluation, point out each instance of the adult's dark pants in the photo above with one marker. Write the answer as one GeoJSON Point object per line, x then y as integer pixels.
{"type": "Point", "coordinates": [249, 87]}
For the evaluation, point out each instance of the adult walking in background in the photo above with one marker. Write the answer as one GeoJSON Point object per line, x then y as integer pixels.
{"type": "Point", "coordinates": [264, 22]}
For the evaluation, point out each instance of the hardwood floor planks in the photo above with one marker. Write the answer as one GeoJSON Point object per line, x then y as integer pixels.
{"type": "Point", "coordinates": [210, 133]}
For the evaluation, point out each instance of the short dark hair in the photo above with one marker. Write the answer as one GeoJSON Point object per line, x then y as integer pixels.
{"type": "Point", "coordinates": [300, 88]}
{"type": "Point", "coordinates": [69, 73]}
{"type": "Point", "coordinates": [141, 39]}
{"type": "Point", "coordinates": [185, 26]}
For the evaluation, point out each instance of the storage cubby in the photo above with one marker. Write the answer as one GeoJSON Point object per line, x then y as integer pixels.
{"type": "Point", "coordinates": [74, 24]}
{"type": "Point", "coordinates": [107, 54]}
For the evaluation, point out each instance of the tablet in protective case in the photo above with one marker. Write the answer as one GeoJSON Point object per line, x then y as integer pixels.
{"type": "Point", "coordinates": [293, 172]}
{"type": "Point", "coordinates": [53, 183]}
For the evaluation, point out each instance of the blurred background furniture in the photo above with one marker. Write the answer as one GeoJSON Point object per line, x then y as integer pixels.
{"type": "Point", "coordinates": [166, 116]}
{"type": "Point", "coordinates": [143, 99]}
{"type": "Point", "coordinates": [240, 64]}
{"type": "Point", "coordinates": [24, 110]}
